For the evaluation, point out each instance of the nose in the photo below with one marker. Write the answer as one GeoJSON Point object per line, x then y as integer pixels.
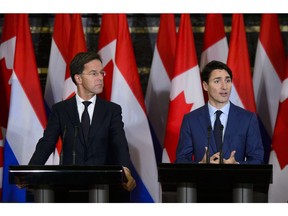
{"type": "Point", "coordinates": [224, 85]}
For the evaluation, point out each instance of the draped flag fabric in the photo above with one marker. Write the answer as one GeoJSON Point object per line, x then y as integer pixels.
{"type": "Point", "coordinates": [27, 118]}
{"type": "Point", "coordinates": [58, 60]}
{"type": "Point", "coordinates": [269, 69]}
{"type": "Point", "coordinates": [159, 83]}
{"type": "Point", "coordinates": [1, 163]}
{"type": "Point", "coordinates": [278, 191]}
{"type": "Point", "coordinates": [186, 90]}
{"type": "Point", "coordinates": [64, 47]}
{"type": "Point", "coordinates": [122, 85]}
{"type": "Point", "coordinates": [238, 60]}
{"type": "Point", "coordinates": [77, 43]}
{"type": "Point", "coordinates": [215, 45]}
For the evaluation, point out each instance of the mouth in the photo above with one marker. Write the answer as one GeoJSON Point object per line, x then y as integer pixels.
{"type": "Point", "coordinates": [224, 94]}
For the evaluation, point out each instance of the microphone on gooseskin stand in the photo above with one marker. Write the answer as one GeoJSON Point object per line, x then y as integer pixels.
{"type": "Point", "coordinates": [63, 139]}
{"type": "Point", "coordinates": [74, 144]}
{"type": "Point", "coordinates": [221, 146]}
{"type": "Point", "coordinates": [208, 144]}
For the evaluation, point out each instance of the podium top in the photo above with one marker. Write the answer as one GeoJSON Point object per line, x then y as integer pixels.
{"type": "Point", "coordinates": [66, 175]}
{"type": "Point", "coordinates": [236, 173]}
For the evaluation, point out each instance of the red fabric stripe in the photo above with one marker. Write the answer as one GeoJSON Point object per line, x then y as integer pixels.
{"type": "Point", "coordinates": [271, 39]}
{"type": "Point", "coordinates": [238, 61]}
{"type": "Point", "coordinates": [166, 42]}
{"type": "Point", "coordinates": [214, 26]}
{"type": "Point", "coordinates": [26, 68]}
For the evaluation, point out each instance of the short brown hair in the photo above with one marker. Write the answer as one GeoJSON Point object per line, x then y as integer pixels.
{"type": "Point", "coordinates": [79, 60]}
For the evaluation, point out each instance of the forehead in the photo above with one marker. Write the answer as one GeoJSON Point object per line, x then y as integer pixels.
{"type": "Point", "coordinates": [94, 64]}
{"type": "Point", "coordinates": [219, 73]}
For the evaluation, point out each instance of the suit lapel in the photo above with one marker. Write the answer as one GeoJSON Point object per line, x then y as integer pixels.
{"type": "Point", "coordinates": [230, 128]}
{"type": "Point", "coordinates": [98, 116]}
{"type": "Point", "coordinates": [71, 109]}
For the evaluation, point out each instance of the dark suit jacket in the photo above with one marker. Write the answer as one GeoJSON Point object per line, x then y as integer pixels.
{"type": "Point", "coordinates": [107, 143]}
{"type": "Point", "coordinates": [242, 134]}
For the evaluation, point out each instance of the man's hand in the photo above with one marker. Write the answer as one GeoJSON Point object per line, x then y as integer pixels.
{"type": "Point", "coordinates": [131, 183]}
{"type": "Point", "coordinates": [231, 159]}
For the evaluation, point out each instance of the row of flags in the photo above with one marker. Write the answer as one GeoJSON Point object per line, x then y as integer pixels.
{"type": "Point", "coordinates": [152, 124]}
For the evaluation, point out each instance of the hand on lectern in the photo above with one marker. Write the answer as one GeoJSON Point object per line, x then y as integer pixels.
{"type": "Point", "coordinates": [130, 184]}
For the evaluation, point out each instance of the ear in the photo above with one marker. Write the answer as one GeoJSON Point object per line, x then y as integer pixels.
{"type": "Point", "coordinates": [205, 85]}
{"type": "Point", "coordinates": [78, 78]}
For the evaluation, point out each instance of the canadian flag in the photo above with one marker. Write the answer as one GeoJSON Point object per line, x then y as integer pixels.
{"type": "Point", "coordinates": [269, 73]}
{"type": "Point", "coordinates": [123, 87]}
{"type": "Point", "coordinates": [238, 60]}
{"type": "Point", "coordinates": [278, 191]}
{"type": "Point", "coordinates": [159, 83]}
{"type": "Point", "coordinates": [68, 39]}
{"type": "Point", "coordinates": [25, 124]}
{"type": "Point", "coordinates": [186, 90]}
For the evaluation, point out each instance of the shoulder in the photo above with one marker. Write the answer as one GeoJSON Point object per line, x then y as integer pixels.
{"type": "Point", "coordinates": [107, 104]}
{"type": "Point", "coordinates": [203, 110]}
{"type": "Point", "coordinates": [198, 111]}
{"type": "Point", "coordinates": [241, 111]}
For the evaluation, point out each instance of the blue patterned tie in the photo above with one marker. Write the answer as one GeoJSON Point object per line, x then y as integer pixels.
{"type": "Point", "coordinates": [218, 130]}
{"type": "Point", "coordinates": [85, 120]}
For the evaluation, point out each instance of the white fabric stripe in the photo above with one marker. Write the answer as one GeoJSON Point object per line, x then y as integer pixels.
{"type": "Point", "coordinates": [55, 77]}
{"type": "Point", "coordinates": [24, 129]}
{"type": "Point", "coordinates": [157, 96]}
{"type": "Point", "coordinates": [267, 88]}
{"type": "Point", "coordinates": [278, 191]}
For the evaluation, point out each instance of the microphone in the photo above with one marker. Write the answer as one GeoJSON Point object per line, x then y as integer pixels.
{"type": "Point", "coordinates": [74, 144]}
{"type": "Point", "coordinates": [208, 144]}
{"type": "Point", "coordinates": [63, 138]}
{"type": "Point", "coordinates": [221, 146]}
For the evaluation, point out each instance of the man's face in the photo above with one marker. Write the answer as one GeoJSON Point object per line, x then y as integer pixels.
{"type": "Point", "coordinates": [92, 78]}
{"type": "Point", "coordinates": [218, 88]}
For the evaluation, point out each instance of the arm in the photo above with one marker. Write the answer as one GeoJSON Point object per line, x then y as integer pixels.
{"type": "Point", "coordinates": [185, 147]}
{"type": "Point", "coordinates": [46, 145]}
{"type": "Point", "coordinates": [254, 146]}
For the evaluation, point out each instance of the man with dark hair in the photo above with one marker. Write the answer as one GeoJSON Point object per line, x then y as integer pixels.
{"type": "Point", "coordinates": [219, 132]}
{"type": "Point", "coordinates": [236, 138]}
{"type": "Point", "coordinates": [101, 139]}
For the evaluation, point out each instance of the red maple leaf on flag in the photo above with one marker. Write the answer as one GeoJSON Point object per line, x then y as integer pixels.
{"type": "Point", "coordinates": [178, 108]}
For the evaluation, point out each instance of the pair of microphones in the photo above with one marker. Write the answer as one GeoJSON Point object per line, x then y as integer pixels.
{"type": "Point", "coordinates": [209, 129]}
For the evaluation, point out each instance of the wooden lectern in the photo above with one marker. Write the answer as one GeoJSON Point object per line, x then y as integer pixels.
{"type": "Point", "coordinates": [190, 178]}
{"type": "Point", "coordinates": [44, 180]}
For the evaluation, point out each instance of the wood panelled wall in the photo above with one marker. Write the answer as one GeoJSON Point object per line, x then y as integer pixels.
{"type": "Point", "coordinates": [143, 29]}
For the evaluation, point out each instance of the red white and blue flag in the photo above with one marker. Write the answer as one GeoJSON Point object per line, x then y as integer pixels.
{"type": "Point", "coordinates": [122, 85]}
{"type": "Point", "coordinates": [238, 60]}
{"type": "Point", "coordinates": [215, 45]}
{"type": "Point", "coordinates": [159, 83]}
{"type": "Point", "coordinates": [269, 73]}
{"type": "Point", "coordinates": [64, 46]}
{"type": "Point", "coordinates": [186, 89]}
{"type": "Point", "coordinates": [27, 118]}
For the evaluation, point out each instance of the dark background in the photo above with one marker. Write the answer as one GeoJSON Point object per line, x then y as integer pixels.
{"type": "Point", "coordinates": [143, 29]}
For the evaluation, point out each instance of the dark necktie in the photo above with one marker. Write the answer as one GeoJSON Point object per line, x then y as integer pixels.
{"type": "Point", "coordinates": [85, 119]}
{"type": "Point", "coordinates": [218, 130]}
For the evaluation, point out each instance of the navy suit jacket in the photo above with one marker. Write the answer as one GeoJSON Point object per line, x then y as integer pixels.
{"type": "Point", "coordinates": [107, 143]}
{"type": "Point", "coordinates": [242, 135]}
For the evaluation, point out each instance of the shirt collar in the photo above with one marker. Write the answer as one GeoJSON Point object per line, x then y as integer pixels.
{"type": "Point", "coordinates": [224, 109]}
{"type": "Point", "coordinates": [79, 100]}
